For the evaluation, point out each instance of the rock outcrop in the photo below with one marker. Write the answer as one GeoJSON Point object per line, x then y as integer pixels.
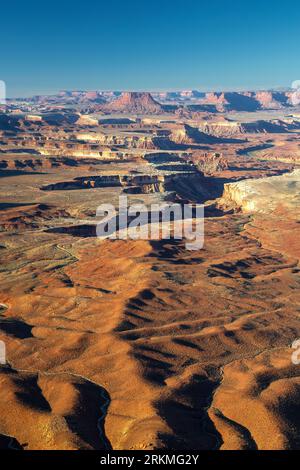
{"type": "Point", "coordinates": [266, 194]}
{"type": "Point", "coordinates": [190, 135]}
{"type": "Point", "coordinates": [226, 127]}
{"type": "Point", "coordinates": [135, 103]}
{"type": "Point", "coordinates": [249, 100]}
{"type": "Point", "coordinates": [85, 120]}
{"type": "Point", "coordinates": [229, 101]}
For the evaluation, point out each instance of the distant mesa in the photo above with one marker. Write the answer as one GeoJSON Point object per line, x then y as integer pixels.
{"type": "Point", "coordinates": [92, 96]}
{"type": "Point", "coordinates": [232, 101]}
{"type": "Point", "coordinates": [179, 95]}
{"type": "Point", "coordinates": [223, 127]}
{"type": "Point", "coordinates": [272, 100]}
{"type": "Point", "coordinates": [192, 94]}
{"type": "Point", "coordinates": [135, 103]}
{"type": "Point", "coordinates": [83, 96]}
{"type": "Point", "coordinates": [248, 100]}
{"type": "Point", "coordinates": [186, 103]}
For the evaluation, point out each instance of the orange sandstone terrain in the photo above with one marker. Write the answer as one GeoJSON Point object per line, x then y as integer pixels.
{"type": "Point", "coordinates": [143, 344]}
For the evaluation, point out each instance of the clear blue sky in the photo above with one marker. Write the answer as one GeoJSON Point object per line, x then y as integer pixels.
{"type": "Point", "coordinates": [137, 45]}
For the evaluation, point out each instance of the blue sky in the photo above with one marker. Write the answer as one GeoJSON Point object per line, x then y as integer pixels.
{"type": "Point", "coordinates": [157, 45]}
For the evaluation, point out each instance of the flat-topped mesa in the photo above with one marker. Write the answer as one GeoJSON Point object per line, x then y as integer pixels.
{"type": "Point", "coordinates": [224, 127]}
{"type": "Point", "coordinates": [188, 135]}
{"type": "Point", "coordinates": [85, 120]}
{"type": "Point", "coordinates": [229, 101]}
{"type": "Point", "coordinates": [249, 100]}
{"type": "Point", "coordinates": [264, 195]}
{"type": "Point", "coordinates": [135, 103]}
{"type": "Point", "coordinates": [129, 141]}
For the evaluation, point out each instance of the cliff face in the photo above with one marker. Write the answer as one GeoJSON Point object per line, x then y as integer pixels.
{"type": "Point", "coordinates": [227, 128]}
{"type": "Point", "coordinates": [249, 101]}
{"type": "Point", "coordinates": [227, 101]}
{"type": "Point", "coordinates": [85, 120]}
{"type": "Point", "coordinates": [266, 194]}
{"type": "Point", "coordinates": [239, 195]}
{"type": "Point", "coordinates": [142, 142]}
{"type": "Point", "coordinates": [220, 128]}
{"type": "Point", "coordinates": [94, 146]}
{"type": "Point", "coordinates": [271, 100]}
{"type": "Point", "coordinates": [190, 135]}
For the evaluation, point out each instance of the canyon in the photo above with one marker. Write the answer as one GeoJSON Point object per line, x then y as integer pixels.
{"type": "Point", "coordinates": [144, 344]}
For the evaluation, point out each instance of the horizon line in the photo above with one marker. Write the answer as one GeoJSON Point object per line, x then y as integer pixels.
{"type": "Point", "coordinates": [149, 90]}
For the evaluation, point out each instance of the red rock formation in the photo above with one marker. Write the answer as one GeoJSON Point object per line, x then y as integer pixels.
{"type": "Point", "coordinates": [271, 100]}
{"type": "Point", "coordinates": [135, 102]}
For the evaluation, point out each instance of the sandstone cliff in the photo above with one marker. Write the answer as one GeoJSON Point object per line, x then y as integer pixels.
{"type": "Point", "coordinates": [266, 194]}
